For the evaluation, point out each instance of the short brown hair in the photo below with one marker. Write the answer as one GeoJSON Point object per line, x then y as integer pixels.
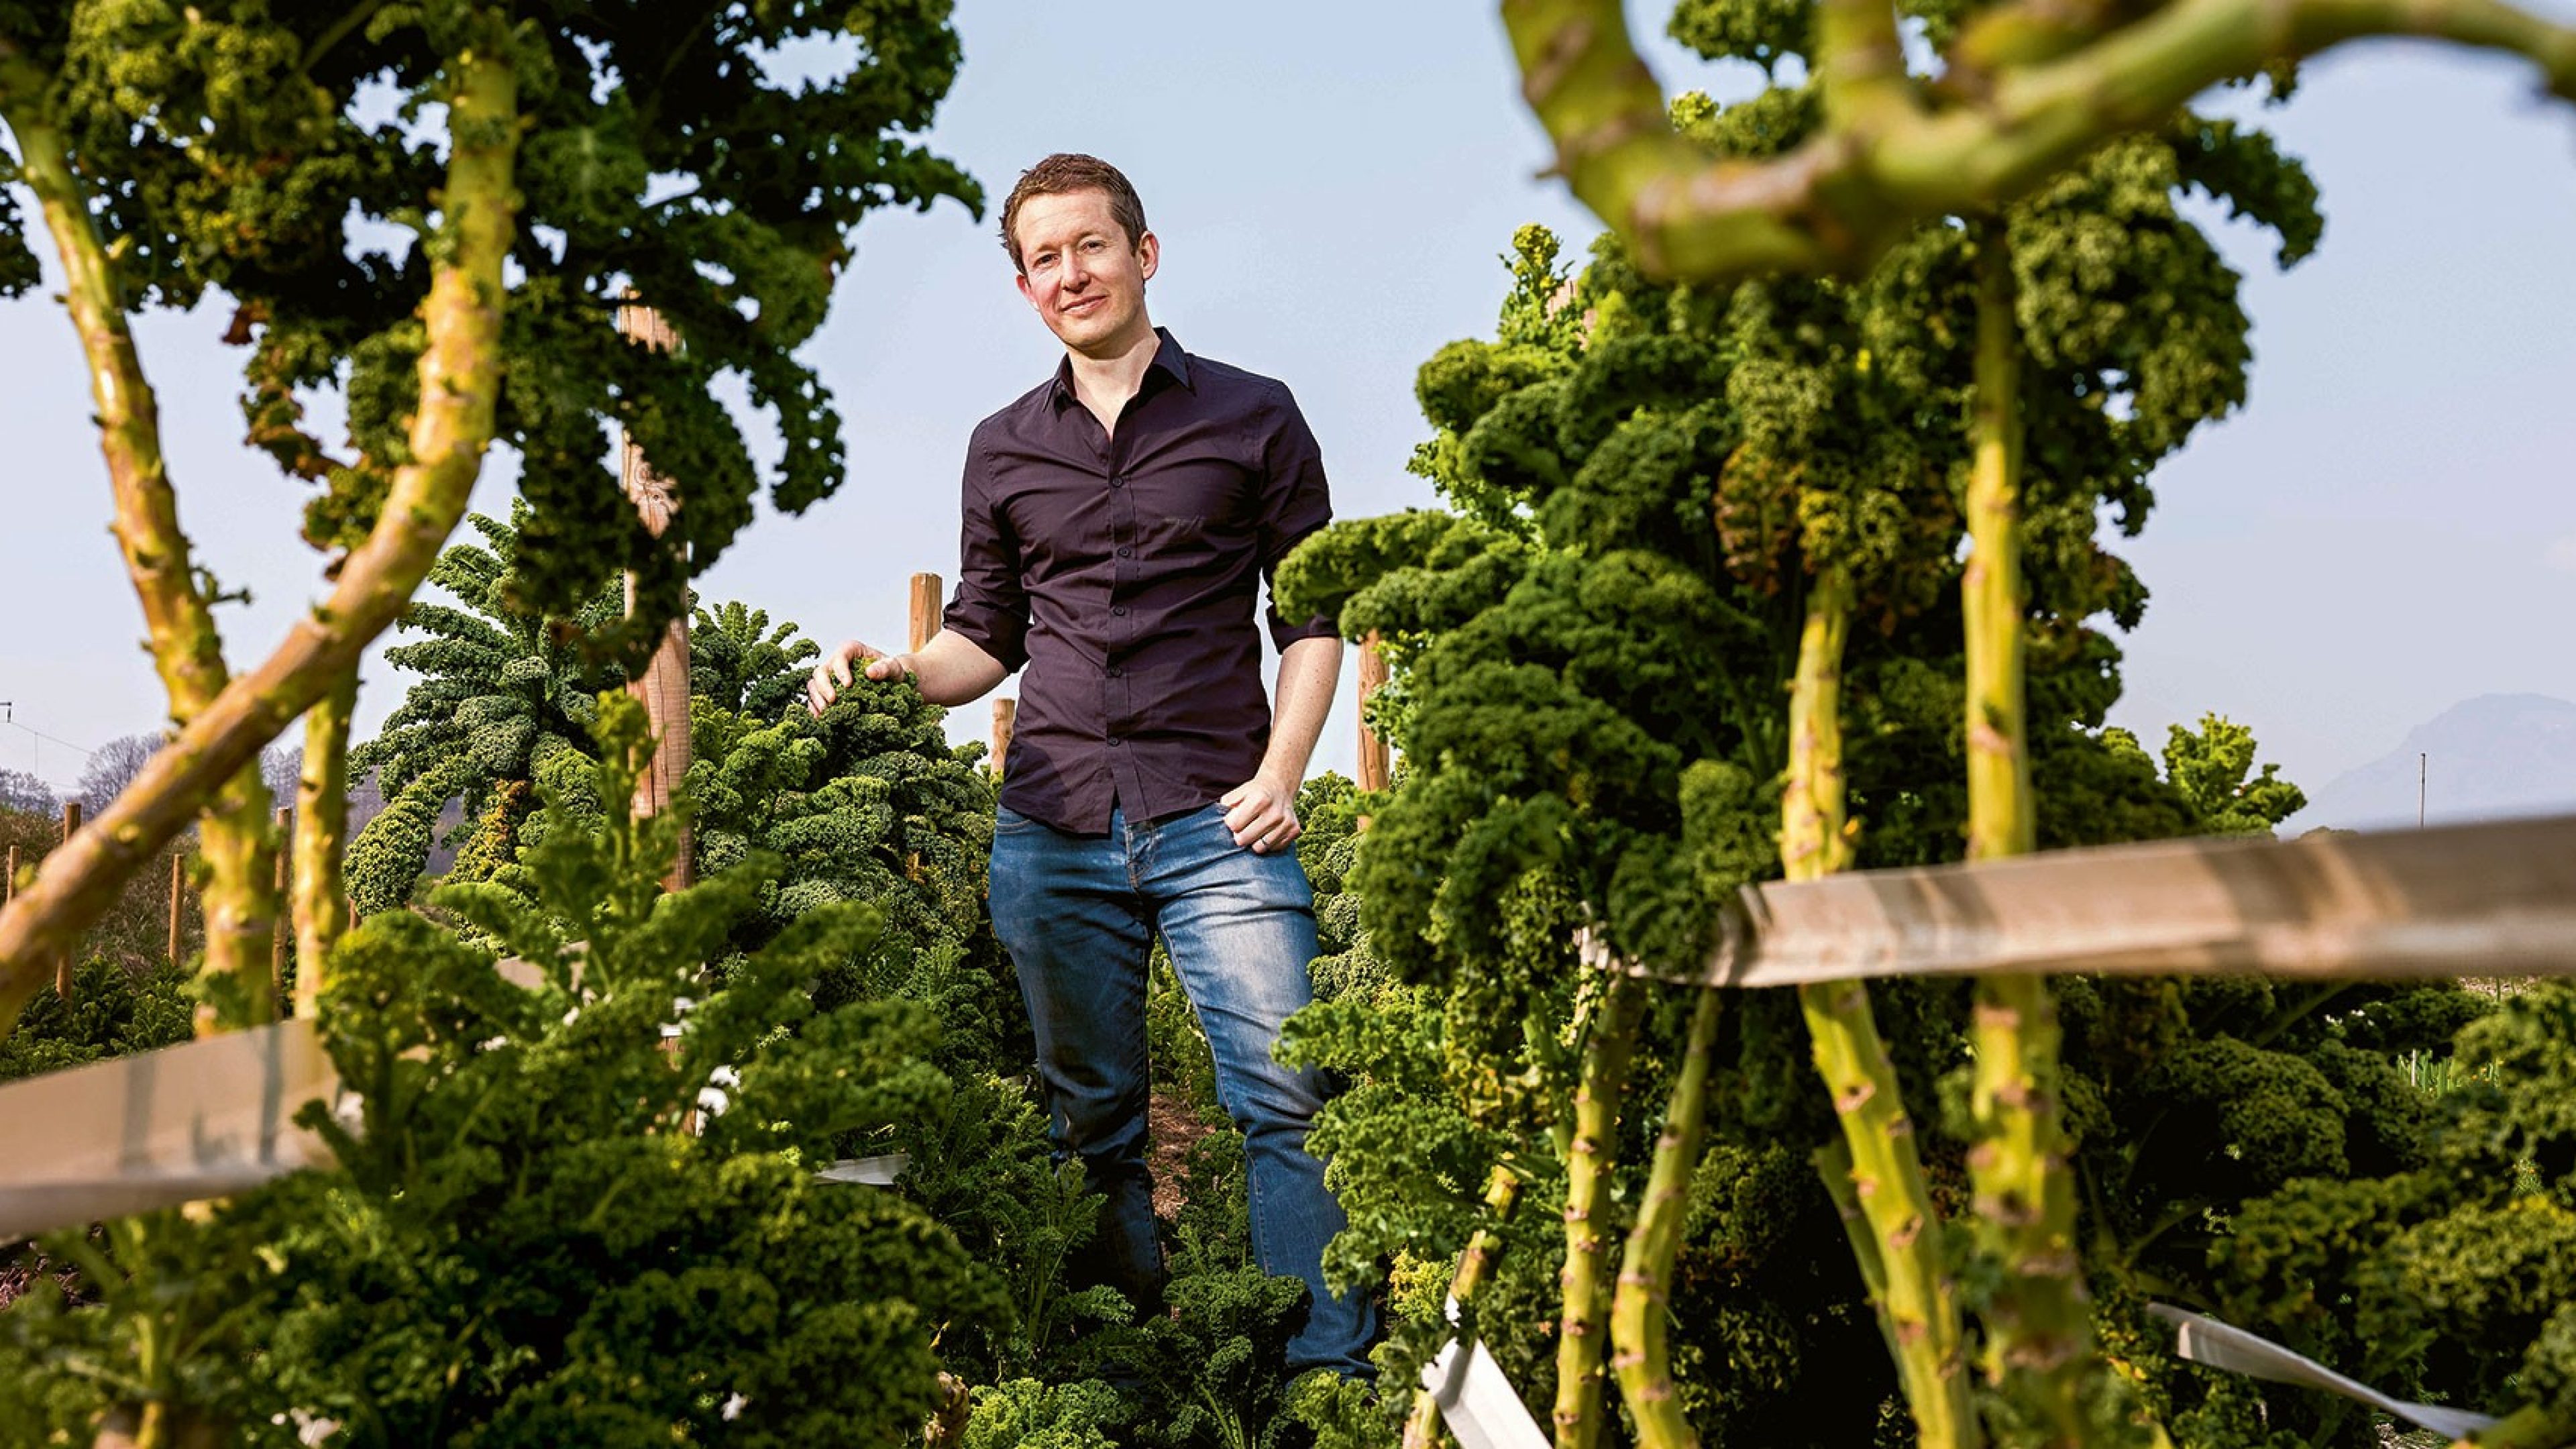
{"type": "Point", "coordinates": [1069, 171]}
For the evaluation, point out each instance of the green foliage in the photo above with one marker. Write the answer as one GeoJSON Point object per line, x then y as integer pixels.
{"type": "Point", "coordinates": [497, 686]}
{"type": "Point", "coordinates": [272, 153]}
{"type": "Point", "coordinates": [2441, 1274]}
{"type": "Point", "coordinates": [1211, 1370]}
{"type": "Point", "coordinates": [19, 269]}
{"type": "Point", "coordinates": [1032, 1414]}
{"type": "Point", "coordinates": [2213, 767]}
{"type": "Point", "coordinates": [1440, 1089]}
{"type": "Point", "coordinates": [867, 806]}
{"type": "Point", "coordinates": [522, 1243]}
{"type": "Point", "coordinates": [113, 1012]}
{"type": "Point", "coordinates": [2194, 1102]}
{"type": "Point", "coordinates": [868, 803]}
{"type": "Point", "coordinates": [1591, 660]}
{"type": "Point", "coordinates": [738, 662]}
{"type": "Point", "coordinates": [982, 1166]}
{"type": "Point", "coordinates": [500, 690]}
{"type": "Point", "coordinates": [385, 859]}
{"type": "Point", "coordinates": [1342, 1413]}
{"type": "Point", "coordinates": [1641, 498]}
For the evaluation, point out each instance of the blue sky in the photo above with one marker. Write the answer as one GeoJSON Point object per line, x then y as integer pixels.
{"type": "Point", "coordinates": [2387, 529]}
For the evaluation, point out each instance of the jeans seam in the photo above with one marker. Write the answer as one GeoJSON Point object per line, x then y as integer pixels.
{"type": "Point", "coordinates": [1252, 1211]}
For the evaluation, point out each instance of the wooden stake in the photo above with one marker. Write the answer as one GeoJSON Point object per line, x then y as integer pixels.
{"type": "Point", "coordinates": [1006, 715]}
{"type": "Point", "coordinates": [1374, 765]}
{"type": "Point", "coordinates": [927, 591]}
{"type": "Point", "coordinates": [664, 687]}
{"type": "Point", "coordinates": [63, 964]}
{"type": "Point", "coordinates": [178, 899]}
{"type": "Point", "coordinates": [9, 884]}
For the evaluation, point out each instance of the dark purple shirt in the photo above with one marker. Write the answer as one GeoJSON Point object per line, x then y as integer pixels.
{"type": "Point", "coordinates": [1122, 572]}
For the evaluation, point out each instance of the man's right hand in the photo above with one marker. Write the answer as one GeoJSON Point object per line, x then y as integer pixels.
{"type": "Point", "coordinates": [834, 673]}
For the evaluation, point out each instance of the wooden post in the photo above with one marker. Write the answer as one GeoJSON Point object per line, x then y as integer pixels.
{"type": "Point", "coordinates": [664, 688]}
{"type": "Point", "coordinates": [178, 899]}
{"type": "Point", "coordinates": [9, 884]}
{"type": "Point", "coordinates": [927, 591]}
{"type": "Point", "coordinates": [278, 938]}
{"type": "Point", "coordinates": [1006, 715]}
{"type": "Point", "coordinates": [63, 965]}
{"type": "Point", "coordinates": [1373, 767]}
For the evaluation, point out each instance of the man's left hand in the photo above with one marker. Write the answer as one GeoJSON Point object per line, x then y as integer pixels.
{"type": "Point", "coordinates": [1262, 814]}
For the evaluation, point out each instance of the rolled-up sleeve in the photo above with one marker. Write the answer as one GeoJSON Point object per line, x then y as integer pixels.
{"type": "Point", "coordinates": [1295, 502]}
{"type": "Point", "coordinates": [991, 607]}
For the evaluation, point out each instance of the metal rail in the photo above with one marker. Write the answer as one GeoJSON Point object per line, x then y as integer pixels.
{"type": "Point", "coordinates": [2495, 899]}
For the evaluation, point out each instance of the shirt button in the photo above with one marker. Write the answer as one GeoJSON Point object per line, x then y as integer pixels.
{"type": "Point", "coordinates": [1115, 671]}
{"type": "Point", "coordinates": [1117, 482]}
{"type": "Point", "coordinates": [1126, 553]}
{"type": "Point", "coordinates": [1119, 609]}
{"type": "Point", "coordinates": [1115, 742]}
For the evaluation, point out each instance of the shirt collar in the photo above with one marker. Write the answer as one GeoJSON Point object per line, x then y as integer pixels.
{"type": "Point", "coordinates": [1168, 357]}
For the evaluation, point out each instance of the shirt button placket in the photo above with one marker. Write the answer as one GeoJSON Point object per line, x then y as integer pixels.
{"type": "Point", "coordinates": [1122, 526]}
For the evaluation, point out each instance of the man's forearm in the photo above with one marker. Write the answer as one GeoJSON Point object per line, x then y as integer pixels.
{"type": "Point", "coordinates": [1309, 670]}
{"type": "Point", "coordinates": [953, 670]}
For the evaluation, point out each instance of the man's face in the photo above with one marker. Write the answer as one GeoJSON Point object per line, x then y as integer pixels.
{"type": "Point", "coordinates": [1078, 271]}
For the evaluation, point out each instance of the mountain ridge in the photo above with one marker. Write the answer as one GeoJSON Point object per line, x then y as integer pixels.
{"type": "Point", "coordinates": [2487, 757]}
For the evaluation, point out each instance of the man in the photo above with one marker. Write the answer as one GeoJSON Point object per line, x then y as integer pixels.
{"type": "Point", "coordinates": [1118, 520]}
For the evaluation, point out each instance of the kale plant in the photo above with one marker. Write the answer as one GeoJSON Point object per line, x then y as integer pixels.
{"type": "Point", "coordinates": [547, 1224]}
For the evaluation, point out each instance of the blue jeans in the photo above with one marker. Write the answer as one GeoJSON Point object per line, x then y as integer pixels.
{"type": "Point", "coordinates": [1078, 914]}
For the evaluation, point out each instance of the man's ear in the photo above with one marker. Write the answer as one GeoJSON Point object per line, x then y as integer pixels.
{"type": "Point", "coordinates": [1022, 279]}
{"type": "Point", "coordinates": [1149, 255]}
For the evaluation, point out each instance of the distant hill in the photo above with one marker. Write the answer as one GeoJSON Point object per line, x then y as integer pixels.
{"type": "Point", "coordinates": [2495, 755]}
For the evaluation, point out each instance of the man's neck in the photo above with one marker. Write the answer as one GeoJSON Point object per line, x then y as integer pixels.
{"type": "Point", "coordinates": [1105, 382]}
